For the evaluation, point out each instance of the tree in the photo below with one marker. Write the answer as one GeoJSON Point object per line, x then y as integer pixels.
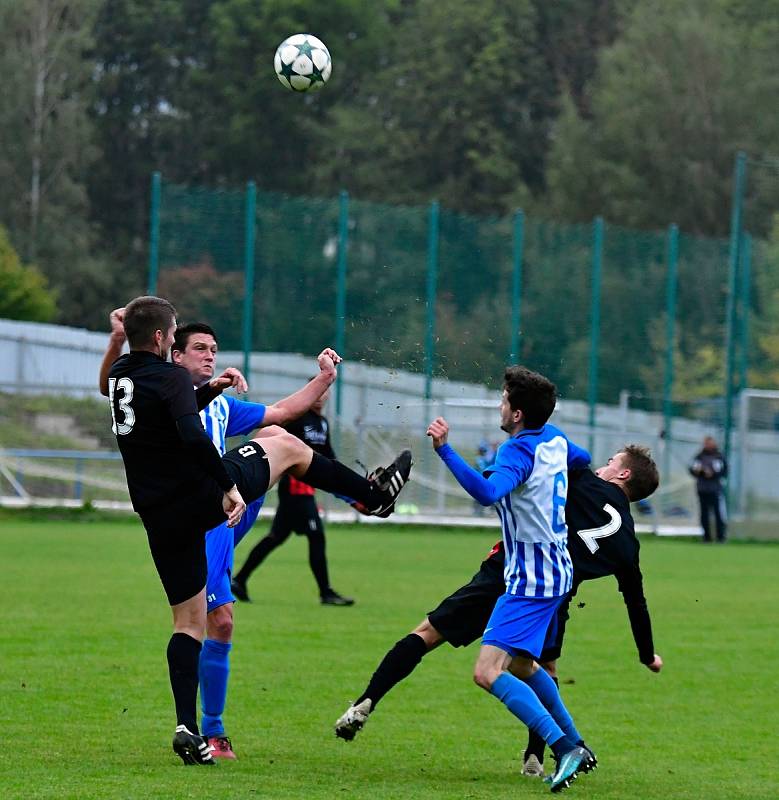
{"type": "Point", "coordinates": [454, 113]}
{"type": "Point", "coordinates": [45, 147]}
{"type": "Point", "coordinates": [145, 52]}
{"type": "Point", "coordinates": [764, 372]}
{"type": "Point", "coordinates": [673, 100]}
{"type": "Point", "coordinates": [24, 293]}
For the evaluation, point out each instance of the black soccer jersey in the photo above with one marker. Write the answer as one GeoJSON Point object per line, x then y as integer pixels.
{"type": "Point", "coordinates": [602, 541]}
{"type": "Point", "coordinates": [601, 537]}
{"type": "Point", "coordinates": [148, 396]}
{"type": "Point", "coordinates": [313, 429]}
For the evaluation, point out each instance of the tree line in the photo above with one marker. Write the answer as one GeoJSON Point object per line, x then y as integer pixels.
{"type": "Point", "coordinates": [631, 109]}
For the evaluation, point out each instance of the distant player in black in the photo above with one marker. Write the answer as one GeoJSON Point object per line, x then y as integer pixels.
{"type": "Point", "coordinates": [297, 511]}
{"type": "Point", "coordinates": [181, 487]}
{"type": "Point", "coordinates": [601, 541]}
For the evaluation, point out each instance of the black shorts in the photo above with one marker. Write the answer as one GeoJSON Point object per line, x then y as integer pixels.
{"type": "Point", "coordinates": [177, 531]}
{"type": "Point", "coordinates": [462, 617]}
{"type": "Point", "coordinates": [552, 652]}
{"type": "Point", "coordinates": [299, 513]}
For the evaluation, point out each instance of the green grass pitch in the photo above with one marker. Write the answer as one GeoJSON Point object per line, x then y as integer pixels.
{"type": "Point", "coordinates": [86, 708]}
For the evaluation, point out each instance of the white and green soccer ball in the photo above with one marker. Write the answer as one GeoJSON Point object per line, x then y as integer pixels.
{"type": "Point", "coordinates": [302, 63]}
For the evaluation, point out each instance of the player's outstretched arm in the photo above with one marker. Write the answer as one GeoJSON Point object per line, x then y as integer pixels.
{"type": "Point", "coordinates": [294, 406]}
{"type": "Point", "coordinates": [656, 665]}
{"type": "Point", "coordinates": [114, 350]}
{"type": "Point", "coordinates": [630, 583]}
{"type": "Point", "coordinates": [486, 491]}
{"type": "Point", "coordinates": [231, 377]}
{"type": "Point", "coordinates": [208, 391]}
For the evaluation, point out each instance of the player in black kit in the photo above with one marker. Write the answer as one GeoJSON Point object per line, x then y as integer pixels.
{"type": "Point", "coordinates": [297, 511]}
{"type": "Point", "coordinates": [181, 488]}
{"type": "Point", "coordinates": [601, 541]}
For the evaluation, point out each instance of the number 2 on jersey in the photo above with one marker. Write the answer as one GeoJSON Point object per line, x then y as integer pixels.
{"type": "Point", "coordinates": [126, 386]}
{"type": "Point", "coordinates": [590, 536]}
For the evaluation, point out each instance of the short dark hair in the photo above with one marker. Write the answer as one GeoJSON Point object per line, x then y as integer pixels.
{"type": "Point", "coordinates": [531, 393]}
{"type": "Point", "coordinates": [644, 477]}
{"type": "Point", "coordinates": [145, 315]}
{"type": "Point", "coordinates": [183, 332]}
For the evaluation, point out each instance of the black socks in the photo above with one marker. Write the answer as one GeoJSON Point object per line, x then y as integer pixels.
{"type": "Point", "coordinates": [183, 663]}
{"type": "Point", "coordinates": [398, 664]}
{"type": "Point", "coordinates": [335, 477]}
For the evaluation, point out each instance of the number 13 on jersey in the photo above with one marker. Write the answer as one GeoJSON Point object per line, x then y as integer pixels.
{"type": "Point", "coordinates": [126, 387]}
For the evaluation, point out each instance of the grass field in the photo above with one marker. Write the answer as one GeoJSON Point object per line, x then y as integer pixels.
{"type": "Point", "coordinates": [86, 708]}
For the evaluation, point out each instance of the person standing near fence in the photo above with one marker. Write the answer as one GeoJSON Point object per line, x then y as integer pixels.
{"type": "Point", "coordinates": [297, 511]}
{"type": "Point", "coordinates": [709, 467]}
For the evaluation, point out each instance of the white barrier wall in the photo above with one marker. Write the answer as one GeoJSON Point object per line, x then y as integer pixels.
{"type": "Point", "coordinates": [51, 359]}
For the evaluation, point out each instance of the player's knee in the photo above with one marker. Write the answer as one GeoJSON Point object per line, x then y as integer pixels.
{"type": "Point", "coordinates": [522, 668]}
{"type": "Point", "coordinates": [550, 667]}
{"type": "Point", "coordinates": [428, 634]}
{"type": "Point", "coordinates": [220, 624]}
{"type": "Point", "coordinates": [484, 676]}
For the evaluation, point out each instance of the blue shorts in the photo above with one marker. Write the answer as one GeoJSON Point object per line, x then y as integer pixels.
{"type": "Point", "coordinates": [220, 548]}
{"type": "Point", "coordinates": [522, 625]}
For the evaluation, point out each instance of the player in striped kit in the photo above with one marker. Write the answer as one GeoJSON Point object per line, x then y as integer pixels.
{"type": "Point", "coordinates": [195, 349]}
{"type": "Point", "coordinates": [601, 541]}
{"type": "Point", "coordinates": [528, 485]}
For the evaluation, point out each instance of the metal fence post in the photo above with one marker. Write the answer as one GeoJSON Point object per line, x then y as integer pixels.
{"type": "Point", "coordinates": [516, 285]}
{"type": "Point", "coordinates": [154, 232]}
{"type": "Point", "coordinates": [736, 222]}
{"type": "Point", "coordinates": [672, 262]}
{"type": "Point", "coordinates": [432, 279]}
{"type": "Point", "coordinates": [340, 306]}
{"type": "Point", "coordinates": [248, 275]}
{"type": "Point", "coordinates": [597, 267]}
{"type": "Point", "coordinates": [746, 296]}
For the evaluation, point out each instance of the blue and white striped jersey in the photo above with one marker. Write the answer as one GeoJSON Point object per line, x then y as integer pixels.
{"type": "Point", "coordinates": [532, 514]}
{"type": "Point", "coordinates": [226, 416]}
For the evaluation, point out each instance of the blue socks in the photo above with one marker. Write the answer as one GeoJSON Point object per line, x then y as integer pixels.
{"type": "Point", "coordinates": [214, 673]}
{"type": "Point", "coordinates": [523, 702]}
{"type": "Point", "coordinates": [548, 693]}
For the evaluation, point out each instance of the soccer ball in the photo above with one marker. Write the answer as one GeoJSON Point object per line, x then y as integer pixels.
{"type": "Point", "coordinates": [302, 63]}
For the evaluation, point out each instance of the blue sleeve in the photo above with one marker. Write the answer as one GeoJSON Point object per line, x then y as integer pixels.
{"type": "Point", "coordinates": [502, 479]}
{"type": "Point", "coordinates": [578, 457]}
{"type": "Point", "coordinates": [244, 416]}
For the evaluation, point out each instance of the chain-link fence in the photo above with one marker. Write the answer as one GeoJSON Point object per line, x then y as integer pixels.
{"type": "Point", "coordinates": [600, 308]}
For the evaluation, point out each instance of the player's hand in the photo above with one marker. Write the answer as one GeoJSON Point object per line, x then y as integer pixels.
{"type": "Point", "coordinates": [116, 319]}
{"type": "Point", "coordinates": [231, 377]}
{"type": "Point", "coordinates": [656, 665]}
{"type": "Point", "coordinates": [233, 506]}
{"type": "Point", "coordinates": [438, 431]}
{"type": "Point", "coordinates": [327, 360]}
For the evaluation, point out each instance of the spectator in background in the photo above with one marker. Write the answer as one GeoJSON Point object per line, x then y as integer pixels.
{"type": "Point", "coordinates": [709, 468]}
{"type": "Point", "coordinates": [484, 460]}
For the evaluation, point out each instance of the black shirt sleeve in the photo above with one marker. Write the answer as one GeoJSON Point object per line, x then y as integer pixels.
{"type": "Point", "coordinates": [203, 451]}
{"type": "Point", "coordinates": [632, 588]}
{"type": "Point", "coordinates": [205, 394]}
